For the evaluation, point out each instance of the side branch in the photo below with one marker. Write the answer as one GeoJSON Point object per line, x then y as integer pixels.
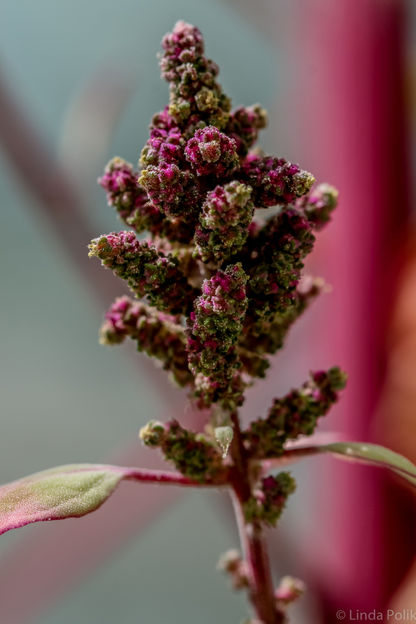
{"type": "Point", "coordinates": [174, 478]}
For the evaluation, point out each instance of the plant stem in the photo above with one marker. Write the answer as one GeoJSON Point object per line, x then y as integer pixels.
{"type": "Point", "coordinates": [172, 478]}
{"type": "Point", "coordinates": [251, 537]}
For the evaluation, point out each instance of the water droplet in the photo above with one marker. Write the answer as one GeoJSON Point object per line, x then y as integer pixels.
{"type": "Point", "coordinates": [224, 436]}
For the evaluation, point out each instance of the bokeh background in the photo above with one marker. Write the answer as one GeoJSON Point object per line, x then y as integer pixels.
{"type": "Point", "coordinates": [79, 83]}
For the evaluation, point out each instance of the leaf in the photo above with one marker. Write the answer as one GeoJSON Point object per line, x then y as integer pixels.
{"type": "Point", "coordinates": [361, 452]}
{"type": "Point", "coordinates": [76, 490]}
{"type": "Point", "coordinates": [62, 492]}
{"type": "Point", "coordinates": [373, 454]}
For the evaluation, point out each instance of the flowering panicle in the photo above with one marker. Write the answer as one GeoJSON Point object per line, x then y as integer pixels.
{"type": "Point", "coordinates": [147, 271]}
{"type": "Point", "coordinates": [123, 192]}
{"type": "Point", "coordinates": [253, 363]}
{"type": "Point", "coordinates": [155, 333]}
{"type": "Point", "coordinates": [163, 145]}
{"type": "Point", "coordinates": [232, 281]}
{"type": "Point", "coordinates": [223, 282]}
{"type": "Point", "coordinates": [169, 181]}
{"type": "Point", "coordinates": [194, 91]}
{"type": "Point", "coordinates": [244, 125]}
{"type": "Point", "coordinates": [218, 286]}
{"type": "Point", "coordinates": [268, 501]}
{"type": "Point", "coordinates": [193, 455]}
{"type": "Point", "coordinates": [264, 337]}
{"type": "Point", "coordinates": [224, 221]}
{"type": "Point", "coordinates": [319, 204]}
{"type": "Point", "coordinates": [268, 336]}
{"type": "Point", "coordinates": [274, 180]}
{"type": "Point", "coordinates": [212, 153]}
{"type": "Point", "coordinates": [295, 414]}
{"type": "Point", "coordinates": [171, 189]}
{"type": "Point", "coordinates": [133, 206]}
{"type": "Point", "coordinates": [275, 266]}
{"type": "Point", "coordinates": [213, 331]}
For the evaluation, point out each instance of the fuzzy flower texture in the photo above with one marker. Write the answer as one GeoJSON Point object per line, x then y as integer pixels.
{"type": "Point", "coordinates": [216, 285]}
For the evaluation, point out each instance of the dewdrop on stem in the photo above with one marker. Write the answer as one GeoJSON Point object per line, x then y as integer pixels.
{"type": "Point", "coordinates": [224, 437]}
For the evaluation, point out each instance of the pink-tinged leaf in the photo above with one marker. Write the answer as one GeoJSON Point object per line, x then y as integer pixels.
{"type": "Point", "coordinates": [62, 492]}
{"type": "Point", "coordinates": [73, 491]}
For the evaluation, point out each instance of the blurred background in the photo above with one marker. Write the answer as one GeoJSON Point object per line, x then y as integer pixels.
{"type": "Point", "coordinates": [79, 82]}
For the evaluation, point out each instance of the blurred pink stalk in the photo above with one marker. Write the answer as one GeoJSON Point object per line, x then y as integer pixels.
{"type": "Point", "coordinates": [348, 110]}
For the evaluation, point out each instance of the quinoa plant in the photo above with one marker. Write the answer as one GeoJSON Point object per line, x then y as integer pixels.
{"type": "Point", "coordinates": [216, 285]}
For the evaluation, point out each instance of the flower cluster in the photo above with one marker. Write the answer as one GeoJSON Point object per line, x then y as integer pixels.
{"type": "Point", "coordinates": [267, 337]}
{"type": "Point", "coordinates": [224, 220]}
{"type": "Point", "coordinates": [132, 204]}
{"type": "Point", "coordinates": [147, 271]}
{"type": "Point", "coordinates": [268, 501]}
{"type": "Point", "coordinates": [275, 270]}
{"type": "Point", "coordinates": [244, 125]}
{"type": "Point", "coordinates": [214, 329]}
{"type": "Point", "coordinates": [319, 204]}
{"type": "Point", "coordinates": [195, 95]}
{"type": "Point", "coordinates": [219, 283]}
{"type": "Point", "coordinates": [155, 333]}
{"type": "Point", "coordinates": [193, 455]}
{"type": "Point", "coordinates": [123, 192]}
{"type": "Point", "coordinates": [211, 152]}
{"type": "Point", "coordinates": [295, 414]}
{"type": "Point", "coordinates": [274, 180]}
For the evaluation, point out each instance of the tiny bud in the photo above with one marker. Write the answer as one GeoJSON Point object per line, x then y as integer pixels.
{"type": "Point", "coordinates": [224, 437]}
{"type": "Point", "coordinates": [152, 433]}
{"type": "Point", "coordinates": [289, 590]}
{"type": "Point", "coordinates": [232, 563]}
{"type": "Point", "coordinates": [302, 182]}
{"type": "Point", "coordinates": [229, 561]}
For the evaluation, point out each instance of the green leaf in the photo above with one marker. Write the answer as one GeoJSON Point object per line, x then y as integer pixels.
{"type": "Point", "coordinates": [62, 492]}
{"type": "Point", "coordinates": [373, 454]}
{"type": "Point", "coordinates": [361, 452]}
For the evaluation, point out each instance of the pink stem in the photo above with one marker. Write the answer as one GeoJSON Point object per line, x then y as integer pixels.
{"type": "Point", "coordinates": [251, 537]}
{"type": "Point", "coordinates": [174, 478]}
{"type": "Point", "coordinates": [255, 554]}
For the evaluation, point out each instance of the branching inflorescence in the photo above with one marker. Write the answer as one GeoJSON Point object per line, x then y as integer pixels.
{"type": "Point", "coordinates": [217, 286]}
